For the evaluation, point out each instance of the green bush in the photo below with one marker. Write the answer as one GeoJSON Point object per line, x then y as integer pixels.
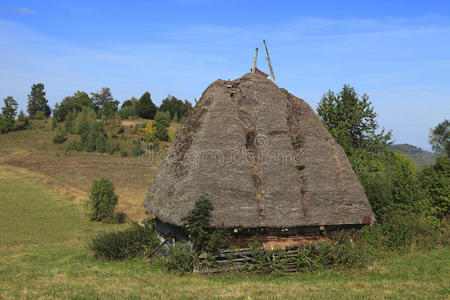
{"type": "Point", "coordinates": [74, 145]}
{"type": "Point", "coordinates": [137, 150]}
{"type": "Point", "coordinates": [390, 181]}
{"type": "Point", "coordinates": [180, 258]}
{"type": "Point", "coordinates": [103, 200]}
{"type": "Point", "coordinates": [123, 153]}
{"type": "Point", "coordinates": [129, 243]}
{"type": "Point", "coordinates": [60, 136]}
{"type": "Point", "coordinates": [399, 230]}
{"type": "Point", "coordinates": [435, 181]}
{"type": "Point", "coordinates": [203, 237]}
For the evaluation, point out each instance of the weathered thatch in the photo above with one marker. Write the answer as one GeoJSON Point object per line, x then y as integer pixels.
{"type": "Point", "coordinates": [264, 158]}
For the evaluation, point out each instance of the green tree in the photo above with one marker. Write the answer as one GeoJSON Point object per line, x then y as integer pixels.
{"type": "Point", "coordinates": [175, 107]}
{"type": "Point", "coordinates": [145, 107]}
{"type": "Point", "coordinates": [37, 101]}
{"type": "Point", "coordinates": [24, 121]}
{"type": "Point", "coordinates": [198, 223]}
{"type": "Point", "coordinates": [160, 125]}
{"type": "Point", "coordinates": [390, 181]}
{"type": "Point", "coordinates": [128, 109]}
{"type": "Point", "coordinates": [105, 103]}
{"type": "Point", "coordinates": [103, 200]}
{"type": "Point", "coordinates": [436, 182]}
{"type": "Point", "coordinates": [351, 120]}
{"type": "Point", "coordinates": [77, 102]}
{"type": "Point", "coordinates": [439, 138]}
{"type": "Point", "coordinates": [9, 112]}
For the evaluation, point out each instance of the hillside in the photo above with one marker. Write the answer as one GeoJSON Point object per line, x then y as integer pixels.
{"type": "Point", "coordinates": [71, 173]}
{"type": "Point", "coordinates": [418, 155]}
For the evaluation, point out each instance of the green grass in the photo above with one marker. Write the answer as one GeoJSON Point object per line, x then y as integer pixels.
{"type": "Point", "coordinates": [44, 254]}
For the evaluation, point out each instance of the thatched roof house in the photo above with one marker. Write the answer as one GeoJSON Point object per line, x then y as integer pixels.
{"type": "Point", "coordinates": [266, 161]}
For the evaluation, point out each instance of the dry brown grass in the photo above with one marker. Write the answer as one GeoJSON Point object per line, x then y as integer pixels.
{"type": "Point", "coordinates": [71, 174]}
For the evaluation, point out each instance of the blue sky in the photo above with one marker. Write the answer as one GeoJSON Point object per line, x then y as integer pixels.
{"type": "Point", "coordinates": [398, 52]}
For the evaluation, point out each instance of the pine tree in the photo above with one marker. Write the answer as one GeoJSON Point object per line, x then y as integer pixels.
{"type": "Point", "coordinates": [37, 101]}
{"type": "Point", "coordinates": [145, 107]}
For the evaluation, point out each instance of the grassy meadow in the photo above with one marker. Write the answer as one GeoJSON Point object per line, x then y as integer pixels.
{"type": "Point", "coordinates": [44, 254]}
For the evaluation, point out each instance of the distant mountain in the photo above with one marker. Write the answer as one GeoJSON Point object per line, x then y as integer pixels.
{"type": "Point", "coordinates": [418, 155]}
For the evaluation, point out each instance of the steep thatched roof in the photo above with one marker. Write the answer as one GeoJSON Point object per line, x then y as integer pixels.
{"type": "Point", "coordinates": [264, 158]}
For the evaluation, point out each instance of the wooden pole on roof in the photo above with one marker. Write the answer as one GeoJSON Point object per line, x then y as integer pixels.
{"type": "Point", "coordinates": [254, 62]}
{"type": "Point", "coordinates": [268, 60]}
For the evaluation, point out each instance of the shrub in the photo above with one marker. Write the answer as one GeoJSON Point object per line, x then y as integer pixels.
{"type": "Point", "coordinates": [128, 112]}
{"type": "Point", "coordinates": [128, 243]}
{"type": "Point", "coordinates": [435, 180]}
{"type": "Point", "coordinates": [390, 182]}
{"type": "Point", "coordinates": [180, 258]}
{"type": "Point", "coordinates": [109, 147]}
{"type": "Point", "coordinates": [74, 145]}
{"type": "Point", "coordinates": [198, 225]}
{"type": "Point", "coordinates": [137, 147]}
{"type": "Point", "coordinates": [60, 136]}
{"type": "Point", "coordinates": [103, 200]}
{"type": "Point", "coordinates": [123, 153]}
{"type": "Point", "coordinates": [399, 230]}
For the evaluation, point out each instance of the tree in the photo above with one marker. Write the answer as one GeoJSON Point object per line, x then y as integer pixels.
{"type": "Point", "coordinates": [436, 182]}
{"type": "Point", "coordinates": [37, 101]}
{"type": "Point", "coordinates": [148, 136]}
{"type": "Point", "coordinates": [128, 109]}
{"type": "Point", "coordinates": [439, 138]}
{"type": "Point", "coordinates": [145, 107]}
{"type": "Point", "coordinates": [350, 119]}
{"type": "Point", "coordinates": [390, 181]}
{"type": "Point", "coordinates": [176, 107]}
{"type": "Point", "coordinates": [77, 103]}
{"type": "Point", "coordinates": [24, 121]}
{"type": "Point", "coordinates": [161, 123]}
{"type": "Point", "coordinates": [105, 102]}
{"type": "Point", "coordinates": [9, 112]}
{"type": "Point", "coordinates": [103, 200]}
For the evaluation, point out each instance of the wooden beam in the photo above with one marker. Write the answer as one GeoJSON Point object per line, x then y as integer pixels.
{"type": "Point", "coordinates": [254, 62]}
{"type": "Point", "coordinates": [268, 60]}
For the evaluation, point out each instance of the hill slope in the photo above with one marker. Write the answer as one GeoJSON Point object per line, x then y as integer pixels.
{"type": "Point", "coordinates": [418, 155]}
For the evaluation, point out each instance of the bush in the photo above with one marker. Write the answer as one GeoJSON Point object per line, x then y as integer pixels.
{"type": "Point", "coordinates": [399, 230]}
{"type": "Point", "coordinates": [129, 243]}
{"type": "Point", "coordinates": [103, 200]}
{"type": "Point", "coordinates": [137, 147]}
{"type": "Point", "coordinates": [128, 112]}
{"type": "Point", "coordinates": [390, 181]}
{"type": "Point", "coordinates": [60, 136]}
{"type": "Point", "coordinates": [123, 153]}
{"type": "Point", "coordinates": [180, 258]}
{"type": "Point", "coordinates": [203, 237]}
{"type": "Point", "coordinates": [74, 145]}
{"type": "Point", "coordinates": [435, 181]}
